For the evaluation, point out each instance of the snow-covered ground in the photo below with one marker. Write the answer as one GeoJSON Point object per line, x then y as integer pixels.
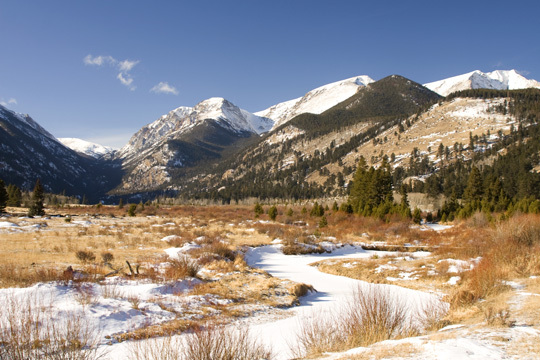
{"type": "Point", "coordinates": [333, 292]}
{"type": "Point", "coordinates": [119, 305]}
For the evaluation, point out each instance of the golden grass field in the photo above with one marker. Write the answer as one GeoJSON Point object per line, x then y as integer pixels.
{"type": "Point", "coordinates": [487, 271]}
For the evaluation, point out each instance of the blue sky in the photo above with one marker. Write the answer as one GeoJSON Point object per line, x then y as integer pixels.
{"type": "Point", "coordinates": [100, 70]}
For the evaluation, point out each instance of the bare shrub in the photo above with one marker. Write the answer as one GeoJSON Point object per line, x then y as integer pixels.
{"type": "Point", "coordinates": [318, 335]}
{"type": "Point", "coordinates": [85, 256]}
{"type": "Point", "coordinates": [12, 275]}
{"type": "Point", "coordinates": [28, 333]}
{"type": "Point", "coordinates": [432, 315]}
{"type": "Point", "coordinates": [516, 244]}
{"type": "Point", "coordinates": [134, 300]}
{"type": "Point", "coordinates": [498, 317]}
{"type": "Point", "coordinates": [223, 343]}
{"type": "Point", "coordinates": [301, 289]}
{"type": "Point", "coordinates": [107, 257]}
{"type": "Point", "coordinates": [181, 268]}
{"type": "Point", "coordinates": [485, 279]}
{"type": "Point", "coordinates": [85, 294]}
{"type": "Point", "coordinates": [111, 291]}
{"type": "Point", "coordinates": [220, 249]}
{"type": "Point", "coordinates": [166, 348]}
{"type": "Point", "coordinates": [523, 230]}
{"type": "Point", "coordinates": [294, 248]}
{"type": "Point", "coordinates": [373, 314]}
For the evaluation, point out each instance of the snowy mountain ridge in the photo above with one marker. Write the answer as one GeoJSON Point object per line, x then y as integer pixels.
{"type": "Point", "coordinates": [498, 80]}
{"type": "Point", "coordinates": [23, 121]}
{"type": "Point", "coordinates": [86, 147]}
{"type": "Point", "coordinates": [315, 101]}
{"type": "Point", "coordinates": [184, 118]}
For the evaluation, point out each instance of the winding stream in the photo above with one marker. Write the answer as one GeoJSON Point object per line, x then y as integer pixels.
{"type": "Point", "coordinates": [332, 291]}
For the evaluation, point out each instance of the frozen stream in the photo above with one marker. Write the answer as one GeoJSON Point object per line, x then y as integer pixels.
{"type": "Point", "coordinates": [332, 293]}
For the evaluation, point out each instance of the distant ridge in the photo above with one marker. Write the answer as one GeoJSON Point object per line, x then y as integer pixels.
{"type": "Point", "coordinates": [498, 80]}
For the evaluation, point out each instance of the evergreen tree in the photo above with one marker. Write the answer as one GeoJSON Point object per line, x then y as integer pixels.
{"type": "Point", "coordinates": [131, 210]}
{"type": "Point", "coordinates": [317, 210]}
{"type": "Point", "coordinates": [371, 188]}
{"type": "Point", "coordinates": [36, 207]}
{"type": "Point", "coordinates": [474, 191]}
{"type": "Point", "coordinates": [258, 209]}
{"type": "Point", "coordinates": [14, 196]}
{"type": "Point", "coordinates": [3, 196]}
{"type": "Point", "coordinates": [405, 208]}
{"type": "Point", "coordinates": [272, 213]}
{"type": "Point", "coordinates": [358, 196]}
{"type": "Point", "coordinates": [417, 216]}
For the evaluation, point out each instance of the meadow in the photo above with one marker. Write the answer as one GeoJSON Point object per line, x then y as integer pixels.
{"type": "Point", "coordinates": [134, 286]}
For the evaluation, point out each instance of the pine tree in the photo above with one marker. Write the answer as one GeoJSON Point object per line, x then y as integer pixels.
{"type": "Point", "coordinates": [258, 209]}
{"type": "Point", "coordinates": [37, 208]}
{"type": "Point", "coordinates": [317, 210]}
{"type": "Point", "coordinates": [14, 196]}
{"type": "Point", "coordinates": [131, 210]}
{"type": "Point", "coordinates": [474, 191]}
{"type": "Point", "coordinates": [405, 209]}
{"type": "Point", "coordinates": [3, 196]}
{"type": "Point", "coordinates": [417, 216]}
{"type": "Point", "coordinates": [272, 213]}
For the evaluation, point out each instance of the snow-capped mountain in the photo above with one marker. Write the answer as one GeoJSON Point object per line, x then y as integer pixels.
{"type": "Point", "coordinates": [182, 119]}
{"type": "Point", "coordinates": [86, 147]}
{"type": "Point", "coordinates": [498, 80]}
{"type": "Point", "coordinates": [184, 137]}
{"type": "Point", "coordinates": [316, 101]}
{"type": "Point", "coordinates": [29, 152]}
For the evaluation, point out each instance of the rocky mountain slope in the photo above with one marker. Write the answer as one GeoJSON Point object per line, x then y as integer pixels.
{"type": "Point", "coordinates": [498, 80]}
{"type": "Point", "coordinates": [30, 152]}
{"type": "Point", "coordinates": [315, 101]}
{"type": "Point", "coordinates": [185, 137]}
{"type": "Point", "coordinates": [306, 147]}
{"type": "Point", "coordinates": [395, 119]}
{"type": "Point", "coordinates": [280, 165]}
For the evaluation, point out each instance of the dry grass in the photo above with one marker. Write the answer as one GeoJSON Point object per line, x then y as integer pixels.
{"type": "Point", "coordinates": [526, 347]}
{"type": "Point", "coordinates": [372, 315]}
{"type": "Point", "coordinates": [212, 342]}
{"type": "Point", "coordinates": [168, 328]}
{"type": "Point", "coordinates": [386, 351]}
{"type": "Point", "coordinates": [426, 275]}
{"type": "Point", "coordinates": [181, 268]}
{"type": "Point", "coordinates": [250, 288]}
{"type": "Point", "coordinates": [26, 333]}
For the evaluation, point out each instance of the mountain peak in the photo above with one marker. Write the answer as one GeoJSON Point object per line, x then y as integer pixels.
{"type": "Point", "coordinates": [498, 80]}
{"type": "Point", "coordinates": [317, 100]}
{"type": "Point", "coordinates": [86, 147]}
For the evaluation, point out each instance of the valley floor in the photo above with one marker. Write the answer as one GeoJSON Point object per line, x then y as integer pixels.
{"type": "Point", "coordinates": [130, 312]}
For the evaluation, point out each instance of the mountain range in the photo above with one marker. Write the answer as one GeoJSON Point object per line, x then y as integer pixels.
{"type": "Point", "coordinates": [215, 144]}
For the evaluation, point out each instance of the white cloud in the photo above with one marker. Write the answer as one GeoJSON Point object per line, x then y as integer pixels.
{"type": "Point", "coordinates": [127, 65]}
{"type": "Point", "coordinates": [126, 80]}
{"type": "Point", "coordinates": [99, 60]}
{"type": "Point", "coordinates": [10, 102]}
{"type": "Point", "coordinates": [123, 67]}
{"type": "Point", "coordinates": [164, 88]}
